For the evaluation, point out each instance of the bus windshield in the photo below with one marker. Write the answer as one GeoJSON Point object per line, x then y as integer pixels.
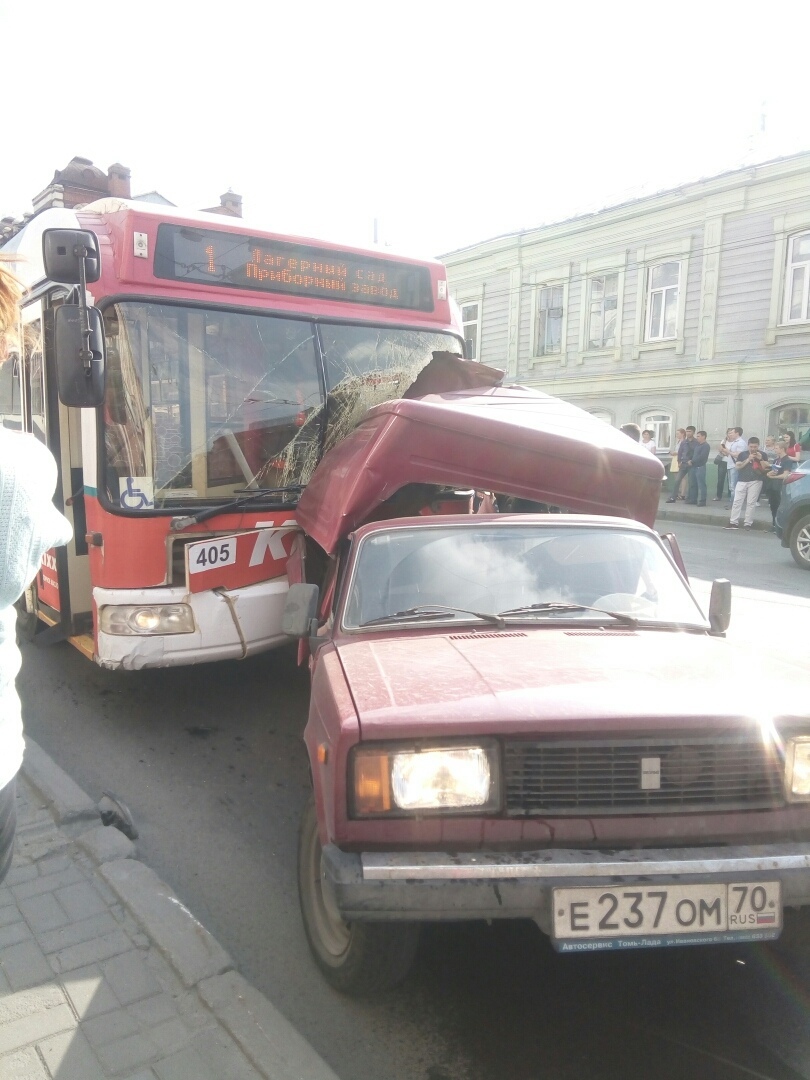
{"type": "Point", "coordinates": [204, 403]}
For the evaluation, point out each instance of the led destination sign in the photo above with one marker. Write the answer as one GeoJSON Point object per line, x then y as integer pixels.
{"type": "Point", "coordinates": [246, 262]}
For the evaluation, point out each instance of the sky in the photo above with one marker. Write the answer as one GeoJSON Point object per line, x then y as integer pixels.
{"type": "Point", "coordinates": [447, 122]}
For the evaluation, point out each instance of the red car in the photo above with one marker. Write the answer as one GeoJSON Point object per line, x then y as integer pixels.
{"type": "Point", "coordinates": [527, 715]}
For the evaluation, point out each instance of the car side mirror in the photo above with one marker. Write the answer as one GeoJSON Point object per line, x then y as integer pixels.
{"type": "Point", "coordinates": [720, 606]}
{"type": "Point", "coordinates": [300, 618]}
{"type": "Point", "coordinates": [79, 349]}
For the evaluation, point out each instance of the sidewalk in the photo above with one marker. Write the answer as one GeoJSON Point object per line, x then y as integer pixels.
{"type": "Point", "coordinates": [104, 973]}
{"type": "Point", "coordinates": [714, 513]}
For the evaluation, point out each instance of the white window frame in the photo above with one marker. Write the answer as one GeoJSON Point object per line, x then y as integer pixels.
{"type": "Point", "coordinates": [785, 227]}
{"type": "Point", "coordinates": [652, 333]}
{"type": "Point", "coordinates": [589, 301]}
{"type": "Point", "coordinates": [600, 267]}
{"type": "Point", "coordinates": [605, 415]}
{"type": "Point", "coordinates": [778, 406]}
{"type": "Point", "coordinates": [654, 419]}
{"type": "Point", "coordinates": [787, 288]}
{"type": "Point", "coordinates": [543, 348]}
{"type": "Point", "coordinates": [550, 277]}
{"type": "Point", "coordinates": [476, 322]}
{"type": "Point", "coordinates": [647, 257]}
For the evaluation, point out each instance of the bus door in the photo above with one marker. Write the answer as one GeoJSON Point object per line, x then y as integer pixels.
{"type": "Point", "coordinates": [61, 594]}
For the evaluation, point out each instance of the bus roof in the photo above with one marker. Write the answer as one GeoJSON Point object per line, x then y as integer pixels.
{"type": "Point", "coordinates": [510, 440]}
{"type": "Point", "coordinates": [165, 252]}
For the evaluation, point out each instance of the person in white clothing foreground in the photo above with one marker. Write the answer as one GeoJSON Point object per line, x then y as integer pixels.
{"type": "Point", "coordinates": [29, 526]}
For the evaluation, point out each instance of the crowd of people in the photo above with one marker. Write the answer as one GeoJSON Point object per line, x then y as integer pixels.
{"type": "Point", "coordinates": [746, 470]}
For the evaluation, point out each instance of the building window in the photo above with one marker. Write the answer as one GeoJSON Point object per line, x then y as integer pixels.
{"type": "Point", "coordinates": [471, 323]}
{"type": "Point", "coordinates": [603, 311]}
{"type": "Point", "coordinates": [549, 320]}
{"type": "Point", "coordinates": [660, 424]}
{"type": "Point", "coordinates": [794, 417]}
{"type": "Point", "coordinates": [602, 414]}
{"type": "Point", "coordinates": [662, 301]}
{"type": "Point", "coordinates": [797, 282]}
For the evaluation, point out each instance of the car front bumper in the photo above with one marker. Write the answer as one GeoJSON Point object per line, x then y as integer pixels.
{"type": "Point", "coordinates": [440, 886]}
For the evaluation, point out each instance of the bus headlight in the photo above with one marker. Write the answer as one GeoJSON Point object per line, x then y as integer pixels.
{"type": "Point", "coordinates": [453, 779]}
{"type": "Point", "coordinates": [797, 768]}
{"type": "Point", "coordinates": [160, 619]}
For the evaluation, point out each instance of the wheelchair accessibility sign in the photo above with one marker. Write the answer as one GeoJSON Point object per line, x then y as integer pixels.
{"type": "Point", "coordinates": [137, 492]}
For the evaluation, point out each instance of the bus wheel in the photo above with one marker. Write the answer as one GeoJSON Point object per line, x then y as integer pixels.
{"type": "Point", "coordinates": [357, 958]}
{"type": "Point", "coordinates": [28, 625]}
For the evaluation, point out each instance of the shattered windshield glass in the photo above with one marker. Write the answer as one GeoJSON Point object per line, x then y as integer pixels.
{"type": "Point", "coordinates": [203, 404]}
{"type": "Point", "coordinates": [366, 365]}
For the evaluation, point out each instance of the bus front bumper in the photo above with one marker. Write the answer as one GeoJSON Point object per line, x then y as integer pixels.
{"type": "Point", "coordinates": [229, 625]}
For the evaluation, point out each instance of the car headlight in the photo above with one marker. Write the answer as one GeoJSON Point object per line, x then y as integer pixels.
{"type": "Point", "coordinates": [160, 619]}
{"type": "Point", "coordinates": [797, 768]}
{"type": "Point", "coordinates": [393, 780]}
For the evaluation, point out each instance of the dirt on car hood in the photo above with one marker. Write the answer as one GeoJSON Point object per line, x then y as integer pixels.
{"type": "Point", "coordinates": [545, 680]}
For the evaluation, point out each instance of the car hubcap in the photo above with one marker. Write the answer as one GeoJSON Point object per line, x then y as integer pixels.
{"type": "Point", "coordinates": [803, 543]}
{"type": "Point", "coordinates": [333, 933]}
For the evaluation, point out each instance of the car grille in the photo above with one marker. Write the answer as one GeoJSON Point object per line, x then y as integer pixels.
{"type": "Point", "coordinates": [604, 777]}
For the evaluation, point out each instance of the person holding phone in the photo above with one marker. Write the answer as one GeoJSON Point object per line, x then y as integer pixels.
{"type": "Point", "coordinates": [752, 466]}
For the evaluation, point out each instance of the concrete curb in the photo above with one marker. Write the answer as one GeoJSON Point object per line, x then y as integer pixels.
{"type": "Point", "coordinates": [268, 1040]}
{"type": "Point", "coordinates": [704, 517]}
{"type": "Point", "coordinates": [64, 797]}
{"type": "Point", "coordinates": [192, 952]}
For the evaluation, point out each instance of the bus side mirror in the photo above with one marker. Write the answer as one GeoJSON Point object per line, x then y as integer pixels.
{"type": "Point", "coordinates": [65, 250]}
{"type": "Point", "coordinates": [300, 618]}
{"type": "Point", "coordinates": [79, 353]}
{"type": "Point", "coordinates": [720, 606]}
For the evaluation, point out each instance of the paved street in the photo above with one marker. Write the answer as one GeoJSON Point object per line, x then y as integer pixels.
{"type": "Point", "coordinates": [211, 763]}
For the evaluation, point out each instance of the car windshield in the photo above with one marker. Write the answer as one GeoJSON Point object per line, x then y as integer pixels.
{"type": "Point", "coordinates": [509, 568]}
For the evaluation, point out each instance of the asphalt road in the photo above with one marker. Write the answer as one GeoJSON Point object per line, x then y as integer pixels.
{"type": "Point", "coordinates": [210, 761]}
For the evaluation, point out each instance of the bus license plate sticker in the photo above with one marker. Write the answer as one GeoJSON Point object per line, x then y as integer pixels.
{"type": "Point", "coordinates": [651, 916]}
{"type": "Point", "coordinates": [210, 554]}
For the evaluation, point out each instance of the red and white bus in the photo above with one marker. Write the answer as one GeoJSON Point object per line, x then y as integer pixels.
{"type": "Point", "coordinates": [220, 363]}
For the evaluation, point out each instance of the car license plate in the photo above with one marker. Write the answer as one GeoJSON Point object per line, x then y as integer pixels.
{"type": "Point", "coordinates": [639, 916]}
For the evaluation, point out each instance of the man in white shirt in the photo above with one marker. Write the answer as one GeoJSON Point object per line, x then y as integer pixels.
{"type": "Point", "coordinates": [737, 446]}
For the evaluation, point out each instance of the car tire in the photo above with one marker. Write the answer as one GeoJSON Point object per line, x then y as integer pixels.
{"type": "Point", "coordinates": [8, 827]}
{"type": "Point", "coordinates": [800, 542]}
{"type": "Point", "coordinates": [360, 958]}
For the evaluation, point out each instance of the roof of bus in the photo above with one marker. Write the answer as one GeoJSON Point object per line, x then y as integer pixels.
{"type": "Point", "coordinates": [175, 214]}
{"type": "Point", "coordinates": [511, 439]}
{"type": "Point", "coordinates": [28, 241]}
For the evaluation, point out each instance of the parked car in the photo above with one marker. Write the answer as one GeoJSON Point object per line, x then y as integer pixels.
{"type": "Point", "coordinates": [793, 515]}
{"type": "Point", "coordinates": [528, 715]}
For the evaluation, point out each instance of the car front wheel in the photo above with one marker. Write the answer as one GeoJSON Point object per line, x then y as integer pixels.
{"type": "Point", "coordinates": [800, 542]}
{"type": "Point", "coordinates": [359, 958]}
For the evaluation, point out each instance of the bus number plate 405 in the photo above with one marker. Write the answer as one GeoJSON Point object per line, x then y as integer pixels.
{"type": "Point", "coordinates": [210, 554]}
{"type": "Point", "coordinates": [638, 915]}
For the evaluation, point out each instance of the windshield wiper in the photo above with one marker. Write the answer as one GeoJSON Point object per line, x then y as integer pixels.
{"type": "Point", "coordinates": [180, 523]}
{"type": "Point", "coordinates": [554, 605]}
{"type": "Point", "coordinates": [434, 611]}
